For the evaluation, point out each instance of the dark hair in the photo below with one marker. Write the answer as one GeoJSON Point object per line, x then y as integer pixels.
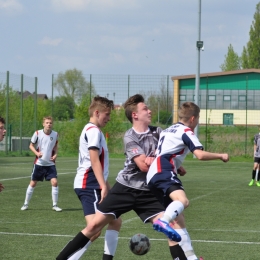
{"type": "Point", "coordinates": [100, 103]}
{"type": "Point", "coordinates": [131, 104]}
{"type": "Point", "coordinates": [187, 110]}
{"type": "Point", "coordinates": [2, 120]}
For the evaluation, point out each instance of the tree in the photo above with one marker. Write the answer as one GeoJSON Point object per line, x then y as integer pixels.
{"type": "Point", "coordinates": [63, 108]}
{"type": "Point", "coordinates": [73, 84]}
{"type": "Point", "coordinates": [232, 60]}
{"type": "Point", "coordinates": [251, 53]}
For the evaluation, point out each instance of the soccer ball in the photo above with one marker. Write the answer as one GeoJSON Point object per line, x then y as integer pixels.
{"type": "Point", "coordinates": [139, 244]}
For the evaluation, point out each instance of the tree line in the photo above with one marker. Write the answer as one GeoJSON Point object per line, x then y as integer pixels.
{"type": "Point", "coordinates": [250, 57]}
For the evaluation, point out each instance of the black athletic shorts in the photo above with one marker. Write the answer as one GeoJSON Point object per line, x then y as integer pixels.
{"type": "Point", "coordinates": [121, 199]}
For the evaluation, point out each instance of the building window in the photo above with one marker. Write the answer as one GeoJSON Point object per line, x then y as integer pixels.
{"type": "Point", "coordinates": [227, 98]}
{"type": "Point", "coordinates": [242, 98]}
{"type": "Point", "coordinates": [194, 97]}
{"type": "Point", "coordinates": [212, 98]}
{"type": "Point", "coordinates": [182, 98]}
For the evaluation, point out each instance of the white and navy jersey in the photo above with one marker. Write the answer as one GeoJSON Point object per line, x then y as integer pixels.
{"type": "Point", "coordinates": [45, 144]}
{"type": "Point", "coordinates": [257, 143]}
{"type": "Point", "coordinates": [174, 144]}
{"type": "Point", "coordinates": [90, 138]}
{"type": "Point", "coordinates": [137, 144]}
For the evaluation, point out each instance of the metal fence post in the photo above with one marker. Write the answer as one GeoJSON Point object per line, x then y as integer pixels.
{"type": "Point", "coordinates": [21, 115]}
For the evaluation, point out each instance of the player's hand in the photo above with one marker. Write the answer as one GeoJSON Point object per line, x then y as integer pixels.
{"type": "Point", "coordinates": [148, 160]}
{"type": "Point", "coordinates": [53, 158]}
{"type": "Point", "coordinates": [1, 187]}
{"type": "Point", "coordinates": [224, 157]}
{"type": "Point", "coordinates": [39, 154]}
{"type": "Point", "coordinates": [104, 192]}
{"type": "Point", "coordinates": [181, 171]}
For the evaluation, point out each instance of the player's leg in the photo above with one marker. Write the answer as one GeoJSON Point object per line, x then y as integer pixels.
{"type": "Point", "coordinates": [255, 167]}
{"type": "Point", "coordinates": [257, 176]}
{"type": "Point", "coordinates": [83, 237]}
{"type": "Point", "coordinates": [111, 238]}
{"type": "Point", "coordinates": [51, 175]}
{"type": "Point", "coordinates": [37, 175]}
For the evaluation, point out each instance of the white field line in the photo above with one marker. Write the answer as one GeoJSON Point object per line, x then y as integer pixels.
{"type": "Point", "coordinates": [153, 239]}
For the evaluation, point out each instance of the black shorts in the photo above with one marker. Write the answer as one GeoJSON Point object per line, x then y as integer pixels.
{"type": "Point", "coordinates": [257, 160]}
{"type": "Point", "coordinates": [121, 199]}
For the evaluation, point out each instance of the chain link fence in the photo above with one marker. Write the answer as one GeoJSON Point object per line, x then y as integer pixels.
{"type": "Point", "coordinates": [227, 116]}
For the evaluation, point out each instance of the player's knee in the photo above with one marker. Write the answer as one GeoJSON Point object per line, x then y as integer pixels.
{"type": "Point", "coordinates": [186, 203]}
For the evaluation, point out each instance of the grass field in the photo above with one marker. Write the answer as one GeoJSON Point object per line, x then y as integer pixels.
{"type": "Point", "coordinates": [223, 217]}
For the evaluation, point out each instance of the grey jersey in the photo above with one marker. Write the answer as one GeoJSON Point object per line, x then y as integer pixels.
{"type": "Point", "coordinates": [257, 143]}
{"type": "Point", "coordinates": [137, 144]}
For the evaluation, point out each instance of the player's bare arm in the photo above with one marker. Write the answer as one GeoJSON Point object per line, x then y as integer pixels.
{"type": "Point", "coordinates": [205, 156]}
{"type": "Point", "coordinates": [140, 162]}
{"type": "Point", "coordinates": [32, 148]}
{"type": "Point", "coordinates": [98, 171]}
{"type": "Point", "coordinates": [55, 149]}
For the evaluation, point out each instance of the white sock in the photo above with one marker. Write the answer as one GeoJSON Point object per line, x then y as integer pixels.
{"type": "Point", "coordinates": [55, 193]}
{"type": "Point", "coordinates": [173, 210]}
{"type": "Point", "coordinates": [186, 244]}
{"type": "Point", "coordinates": [28, 195]}
{"type": "Point", "coordinates": [80, 253]}
{"type": "Point", "coordinates": [111, 240]}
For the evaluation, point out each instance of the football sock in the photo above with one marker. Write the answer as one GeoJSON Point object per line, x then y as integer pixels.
{"type": "Point", "coordinates": [172, 211]}
{"type": "Point", "coordinates": [29, 193]}
{"type": "Point", "coordinates": [77, 243]}
{"type": "Point", "coordinates": [80, 253]}
{"type": "Point", "coordinates": [253, 174]}
{"type": "Point", "coordinates": [177, 252]}
{"type": "Point", "coordinates": [55, 193]}
{"type": "Point", "coordinates": [111, 240]}
{"type": "Point", "coordinates": [107, 257]}
{"type": "Point", "coordinates": [257, 174]}
{"type": "Point", "coordinates": [186, 244]}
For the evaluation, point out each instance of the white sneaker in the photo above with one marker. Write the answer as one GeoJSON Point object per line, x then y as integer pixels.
{"type": "Point", "coordinates": [56, 208]}
{"type": "Point", "coordinates": [24, 207]}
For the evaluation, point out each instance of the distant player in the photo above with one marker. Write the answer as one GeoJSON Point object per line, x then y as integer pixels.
{"type": "Point", "coordinates": [130, 191]}
{"type": "Point", "coordinates": [2, 135]}
{"type": "Point", "coordinates": [255, 172]}
{"type": "Point", "coordinates": [174, 144]}
{"type": "Point", "coordinates": [90, 183]}
{"type": "Point", "coordinates": [44, 144]}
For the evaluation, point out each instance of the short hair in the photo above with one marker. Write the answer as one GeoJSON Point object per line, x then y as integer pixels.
{"type": "Point", "coordinates": [100, 103]}
{"type": "Point", "coordinates": [47, 118]}
{"type": "Point", "coordinates": [187, 110]}
{"type": "Point", "coordinates": [2, 120]}
{"type": "Point", "coordinates": [130, 105]}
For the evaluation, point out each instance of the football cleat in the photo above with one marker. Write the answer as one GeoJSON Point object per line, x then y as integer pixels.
{"type": "Point", "coordinates": [56, 208]}
{"type": "Point", "coordinates": [162, 226]}
{"type": "Point", "coordinates": [251, 183]}
{"type": "Point", "coordinates": [24, 207]}
{"type": "Point", "coordinates": [257, 184]}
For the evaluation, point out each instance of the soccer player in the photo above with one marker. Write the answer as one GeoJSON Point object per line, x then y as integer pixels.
{"type": "Point", "coordinates": [174, 144]}
{"type": "Point", "coordinates": [256, 161]}
{"type": "Point", "coordinates": [44, 144]}
{"type": "Point", "coordinates": [2, 135]}
{"type": "Point", "coordinates": [130, 191]}
{"type": "Point", "coordinates": [90, 183]}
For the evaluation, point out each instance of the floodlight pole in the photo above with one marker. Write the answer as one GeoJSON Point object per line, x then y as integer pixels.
{"type": "Point", "coordinates": [199, 45]}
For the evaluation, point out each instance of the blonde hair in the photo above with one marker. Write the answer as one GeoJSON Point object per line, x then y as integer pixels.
{"type": "Point", "coordinates": [187, 110]}
{"type": "Point", "coordinates": [47, 118]}
{"type": "Point", "coordinates": [100, 103]}
{"type": "Point", "coordinates": [130, 105]}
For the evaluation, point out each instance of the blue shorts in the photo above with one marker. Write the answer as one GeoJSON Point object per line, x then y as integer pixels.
{"type": "Point", "coordinates": [40, 173]}
{"type": "Point", "coordinates": [162, 184]}
{"type": "Point", "coordinates": [89, 199]}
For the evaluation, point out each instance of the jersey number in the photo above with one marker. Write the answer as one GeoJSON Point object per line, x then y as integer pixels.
{"type": "Point", "coordinates": [160, 144]}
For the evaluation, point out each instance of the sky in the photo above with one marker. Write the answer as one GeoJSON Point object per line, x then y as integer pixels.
{"type": "Point", "coordinates": [119, 37]}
